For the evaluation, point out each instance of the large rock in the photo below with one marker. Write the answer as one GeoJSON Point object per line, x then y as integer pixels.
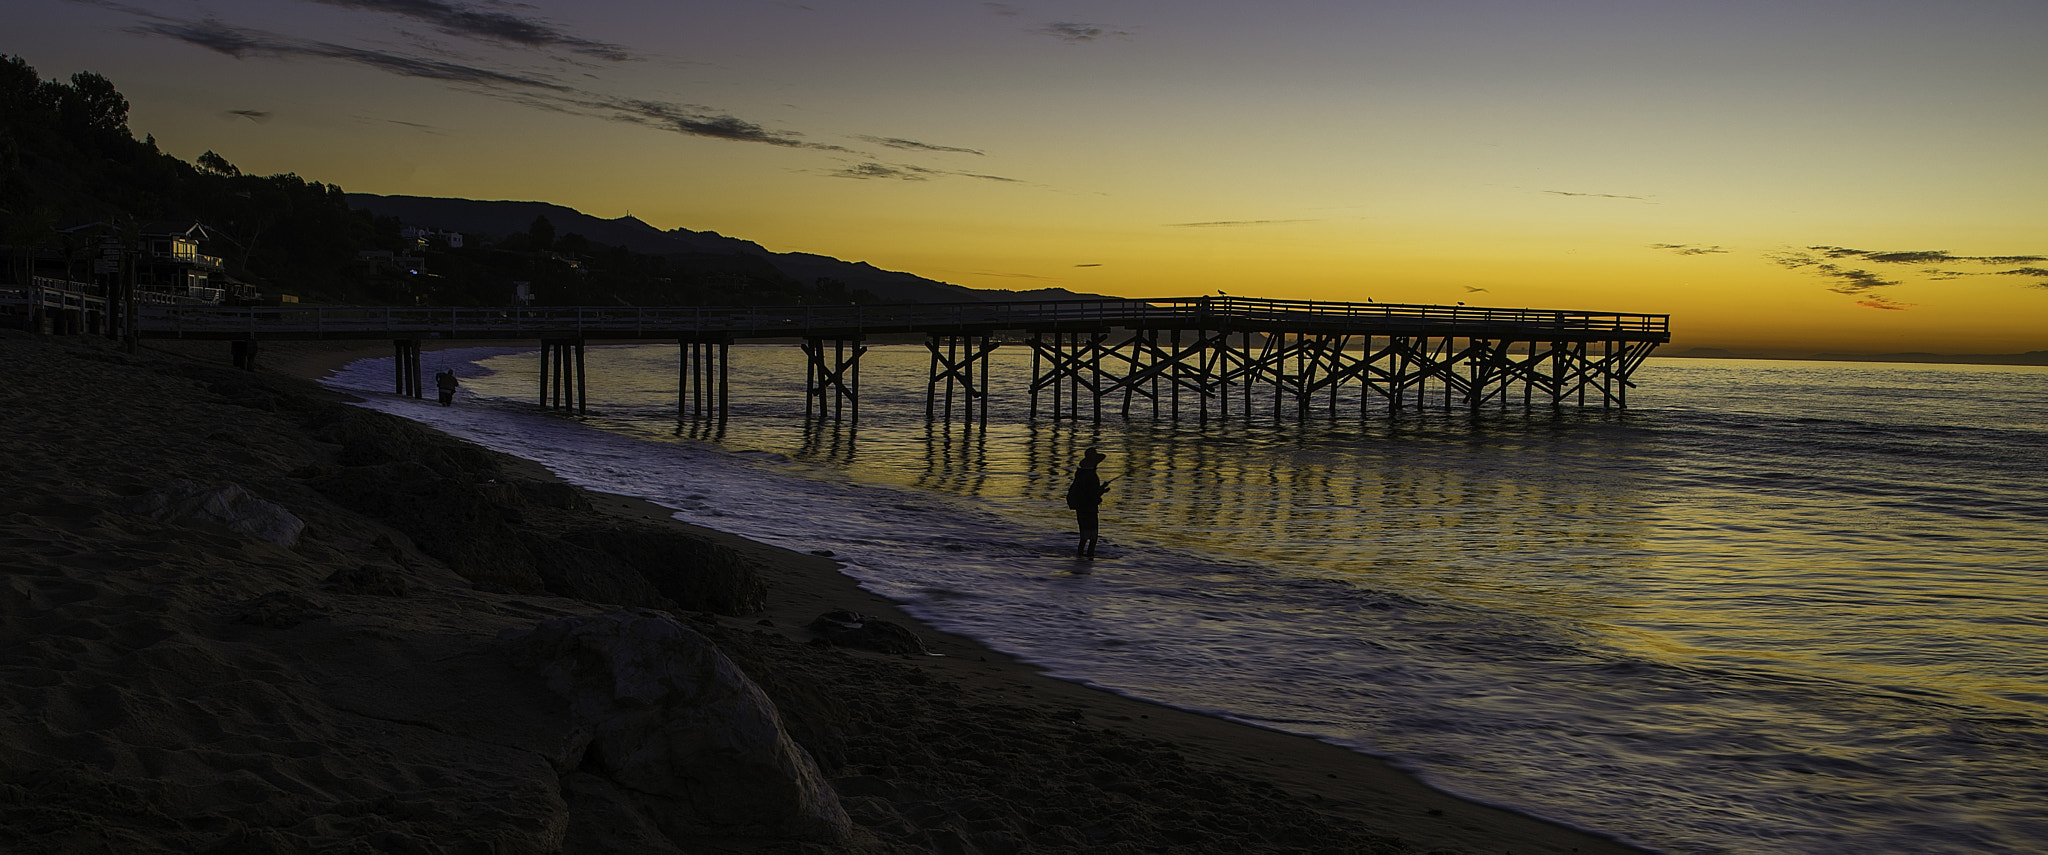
{"type": "Point", "coordinates": [229, 505]}
{"type": "Point", "coordinates": [677, 729]}
{"type": "Point", "coordinates": [696, 572]}
{"type": "Point", "coordinates": [451, 519]}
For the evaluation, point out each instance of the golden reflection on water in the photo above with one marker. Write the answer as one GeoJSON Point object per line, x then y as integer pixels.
{"type": "Point", "coordinates": [1588, 519]}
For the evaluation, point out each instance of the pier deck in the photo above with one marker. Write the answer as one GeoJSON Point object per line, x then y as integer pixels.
{"type": "Point", "coordinates": [1086, 353]}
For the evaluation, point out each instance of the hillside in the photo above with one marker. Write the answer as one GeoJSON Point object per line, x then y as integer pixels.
{"type": "Point", "coordinates": [498, 219]}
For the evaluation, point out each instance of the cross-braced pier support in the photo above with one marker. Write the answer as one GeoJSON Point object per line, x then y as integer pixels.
{"type": "Point", "coordinates": [961, 363]}
{"type": "Point", "coordinates": [832, 376]}
{"type": "Point", "coordinates": [1072, 363]}
{"type": "Point", "coordinates": [561, 374]}
{"type": "Point", "coordinates": [703, 381]}
{"type": "Point", "coordinates": [406, 366]}
{"type": "Point", "coordinates": [1257, 373]}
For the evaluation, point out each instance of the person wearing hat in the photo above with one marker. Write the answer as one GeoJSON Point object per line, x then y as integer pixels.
{"type": "Point", "coordinates": [1085, 496]}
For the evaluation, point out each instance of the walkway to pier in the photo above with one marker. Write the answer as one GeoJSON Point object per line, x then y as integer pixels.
{"type": "Point", "coordinates": [1205, 355]}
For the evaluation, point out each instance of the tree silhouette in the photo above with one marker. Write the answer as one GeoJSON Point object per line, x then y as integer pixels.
{"type": "Point", "coordinates": [217, 165]}
{"type": "Point", "coordinates": [92, 102]}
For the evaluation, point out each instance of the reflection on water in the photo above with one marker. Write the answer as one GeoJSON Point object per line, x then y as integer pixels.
{"type": "Point", "coordinates": [1778, 607]}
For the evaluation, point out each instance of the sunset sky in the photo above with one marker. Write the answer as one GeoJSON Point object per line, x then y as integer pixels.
{"type": "Point", "coordinates": [1788, 175]}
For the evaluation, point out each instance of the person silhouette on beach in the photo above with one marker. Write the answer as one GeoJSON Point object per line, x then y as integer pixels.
{"type": "Point", "coordinates": [446, 382]}
{"type": "Point", "coordinates": [1085, 497]}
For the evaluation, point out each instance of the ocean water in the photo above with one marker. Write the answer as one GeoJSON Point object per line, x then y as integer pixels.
{"type": "Point", "coordinates": [1774, 607]}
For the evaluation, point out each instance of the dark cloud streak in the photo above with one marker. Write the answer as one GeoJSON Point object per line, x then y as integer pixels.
{"type": "Point", "coordinates": [1690, 249]}
{"type": "Point", "coordinates": [240, 43]}
{"type": "Point", "coordinates": [692, 120]}
{"type": "Point", "coordinates": [914, 145]}
{"type": "Point", "coordinates": [868, 170]}
{"type": "Point", "coordinates": [1073, 32]}
{"type": "Point", "coordinates": [486, 25]}
{"type": "Point", "coordinates": [1930, 256]}
{"type": "Point", "coordinates": [533, 90]}
{"type": "Point", "coordinates": [1598, 195]}
{"type": "Point", "coordinates": [1215, 224]}
{"type": "Point", "coordinates": [528, 90]}
{"type": "Point", "coordinates": [1875, 301]}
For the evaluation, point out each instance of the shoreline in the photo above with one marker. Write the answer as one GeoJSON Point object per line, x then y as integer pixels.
{"type": "Point", "coordinates": [1352, 789]}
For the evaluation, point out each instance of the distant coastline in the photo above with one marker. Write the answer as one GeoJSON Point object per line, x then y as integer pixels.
{"type": "Point", "coordinates": [2032, 357]}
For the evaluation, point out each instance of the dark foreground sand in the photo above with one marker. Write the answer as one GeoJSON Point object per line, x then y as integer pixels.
{"type": "Point", "coordinates": [180, 686]}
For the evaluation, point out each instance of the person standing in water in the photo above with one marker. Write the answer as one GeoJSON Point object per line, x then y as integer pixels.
{"type": "Point", "coordinates": [446, 383]}
{"type": "Point", "coordinates": [1085, 497]}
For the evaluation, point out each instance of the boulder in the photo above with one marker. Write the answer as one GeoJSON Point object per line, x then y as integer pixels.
{"type": "Point", "coordinates": [367, 579]}
{"type": "Point", "coordinates": [696, 572]}
{"type": "Point", "coordinates": [229, 505]}
{"type": "Point", "coordinates": [853, 629]}
{"type": "Point", "coordinates": [448, 518]}
{"type": "Point", "coordinates": [677, 729]}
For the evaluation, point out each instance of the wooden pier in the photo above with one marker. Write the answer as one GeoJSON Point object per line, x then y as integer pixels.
{"type": "Point", "coordinates": [1203, 357]}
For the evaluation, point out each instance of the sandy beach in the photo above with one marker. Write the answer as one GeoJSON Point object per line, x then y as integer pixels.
{"type": "Point", "coordinates": [190, 680]}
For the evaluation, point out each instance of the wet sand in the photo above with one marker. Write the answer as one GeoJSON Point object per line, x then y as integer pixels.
{"type": "Point", "coordinates": [181, 686]}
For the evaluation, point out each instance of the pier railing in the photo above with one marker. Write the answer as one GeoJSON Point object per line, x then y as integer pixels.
{"type": "Point", "coordinates": [602, 322]}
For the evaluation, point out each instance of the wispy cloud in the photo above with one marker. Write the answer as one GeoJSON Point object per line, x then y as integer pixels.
{"type": "Point", "coordinates": [1090, 264]}
{"type": "Point", "coordinates": [1074, 32]}
{"type": "Point", "coordinates": [1220, 224]}
{"type": "Point", "coordinates": [417, 126]}
{"type": "Point", "coordinates": [1597, 195]}
{"type": "Point", "coordinates": [1689, 249]}
{"type": "Point", "coordinates": [869, 170]}
{"type": "Point", "coordinates": [1473, 289]}
{"type": "Point", "coordinates": [695, 120]}
{"type": "Point", "coordinates": [491, 25]}
{"type": "Point", "coordinates": [1859, 281]}
{"type": "Point", "coordinates": [526, 88]}
{"type": "Point", "coordinates": [534, 86]}
{"type": "Point", "coordinates": [2040, 273]}
{"type": "Point", "coordinates": [257, 116]}
{"type": "Point", "coordinates": [1847, 280]}
{"type": "Point", "coordinates": [914, 145]}
{"type": "Point", "coordinates": [240, 43]}
{"type": "Point", "coordinates": [1004, 9]}
{"type": "Point", "coordinates": [1928, 256]}
{"type": "Point", "coordinates": [1875, 301]}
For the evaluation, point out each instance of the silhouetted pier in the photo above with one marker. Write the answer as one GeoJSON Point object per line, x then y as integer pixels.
{"type": "Point", "coordinates": [1206, 354]}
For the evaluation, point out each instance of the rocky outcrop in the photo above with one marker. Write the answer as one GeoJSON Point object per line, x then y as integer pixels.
{"type": "Point", "coordinates": [228, 505]}
{"type": "Point", "coordinates": [695, 572]}
{"type": "Point", "coordinates": [455, 502]}
{"type": "Point", "coordinates": [852, 629]}
{"type": "Point", "coordinates": [670, 728]}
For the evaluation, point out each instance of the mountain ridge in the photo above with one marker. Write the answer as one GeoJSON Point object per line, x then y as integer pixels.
{"type": "Point", "coordinates": [497, 218]}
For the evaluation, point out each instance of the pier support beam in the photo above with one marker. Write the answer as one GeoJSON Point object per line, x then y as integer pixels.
{"type": "Point", "coordinates": [832, 368]}
{"type": "Point", "coordinates": [703, 382]}
{"type": "Point", "coordinates": [1071, 362]}
{"type": "Point", "coordinates": [561, 361]}
{"type": "Point", "coordinates": [957, 360]}
{"type": "Point", "coordinates": [406, 365]}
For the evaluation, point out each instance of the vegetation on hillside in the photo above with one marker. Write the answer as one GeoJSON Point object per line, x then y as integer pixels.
{"type": "Point", "coordinates": [68, 159]}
